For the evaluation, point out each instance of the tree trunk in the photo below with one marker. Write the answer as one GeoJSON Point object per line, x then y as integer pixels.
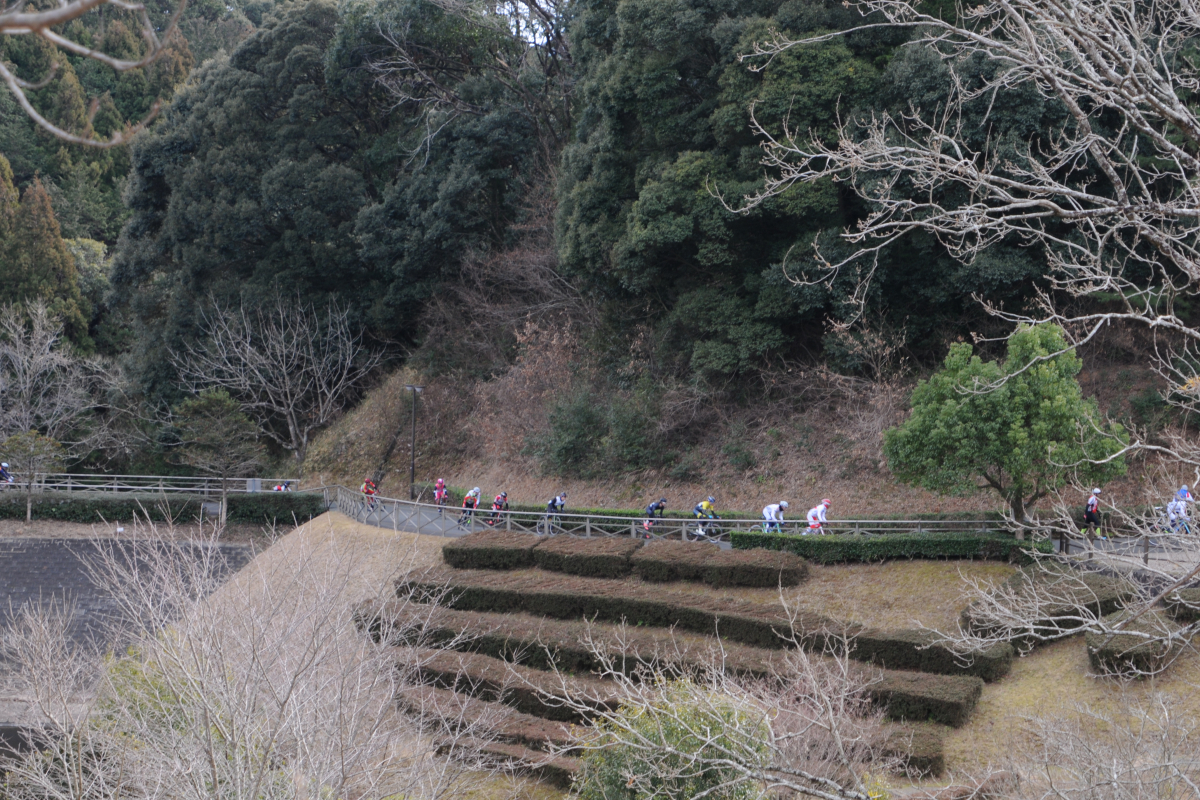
{"type": "Point", "coordinates": [221, 518]}
{"type": "Point", "coordinates": [1016, 504]}
{"type": "Point", "coordinates": [29, 502]}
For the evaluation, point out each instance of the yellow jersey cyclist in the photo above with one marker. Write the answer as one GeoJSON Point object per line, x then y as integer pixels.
{"type": "Point", "coordinates": [707, 511]}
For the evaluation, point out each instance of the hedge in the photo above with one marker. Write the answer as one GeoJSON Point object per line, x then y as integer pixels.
{"type": "Point", "coordinates": [843, 548]}
{"type": "Point", "coordinates": [504, 722]}
{"type": "Point", "coordinates": [490, 549]}
{"type": "Point", "coordinates": [546, 644]}
{"type": "Point", "coordinates": [1184, 605]}
{"type": "Point", "coordinates": [595, 557]}
{"type": "Point", "coordinates": [666, 560]}
{"type": "Point", "coordinates": [1125, 654]}
{"type": "Point", "coordinates": [741, 621]}
{"type": "Point", "coordinates": [1100, 595]}
{"type": "Point", "coordinates": [257, 508]}
{"type": "Point", "coordinates": [922, 749]}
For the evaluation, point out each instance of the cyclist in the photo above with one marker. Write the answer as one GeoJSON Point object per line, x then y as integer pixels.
{"type": "Point", "coordinates": [286, 486]}
{"type": "Point", "coordinates": [5, 475]}
{"type": "Point", "coordinates": [369, 491]}
{"type": "Point", "coordinates": [1177, 514]}
{"type": "Point", "coordinates": [470, 503]}
{"type": "Point", "coordinates": [773, 516]}
{"type": "Point", "coordinates": [1091, 515]}
{"type": "Point", "coordinates": [659, 506]}
{"type": "Point", "coordinates": [440, 495]}
{"type": "Point", "coordinates": [706, 511]}
{"type": "Point", "coordinates": [555, 506]}
{"type": "Point", "coordinates": [500, 503]}
{"type": "Point", "coordinates": [816, 517]}
{"type": "Point", "coordinates": [1184, 495]}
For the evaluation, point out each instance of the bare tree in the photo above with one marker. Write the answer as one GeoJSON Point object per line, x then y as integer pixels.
{"type": "Point", "coordinates": [291, 367]}
{"type": "Point", "coordinates": [44, 386]}
{"type": "Point", "coordinates": [17, 20]}
{"type": "Point", "coordinates": [261, 688]}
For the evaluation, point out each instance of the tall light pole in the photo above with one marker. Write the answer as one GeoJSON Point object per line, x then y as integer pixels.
{"type": "Point", "coordinates": [412, 464]}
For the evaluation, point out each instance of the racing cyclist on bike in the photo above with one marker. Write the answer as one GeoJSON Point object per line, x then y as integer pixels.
{"type": "Point", "coordinates": [440, 495]}
{"type": "Point", "coordinates": [816, 517]}
{"type": "Point", "coordinates": [659, 506]}
{"type": "Point", "coordinates": [773, 517]}
{"type": "Point", "coordinates": [500, 503]}
{"type": "Point", "coordinates": [369, 491]}
{"type": "Point", "coordinates": [706, 511]}
{"type": "Point", "coordinates": [470, 503]}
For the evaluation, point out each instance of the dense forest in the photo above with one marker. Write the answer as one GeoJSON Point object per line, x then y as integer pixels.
{"type": "Point", "coordinates": [452, 174]}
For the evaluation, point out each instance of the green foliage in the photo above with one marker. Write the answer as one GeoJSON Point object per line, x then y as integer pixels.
{"type": "Point", "coordinates": [589, 436]}
{"type": "Point", "coordinates": [1020, 426]}
{"type": "Point", "coordinates": [216, 436]}
{"type": "Point", "coordinates": [491, 550]}
{"type": "Point", "coordinates": [923, 697]}
{"type": "Point", "coordinates": [855, 548]}
{"type": "Point", "coordinates": [265, 508]}
{"type": "Point", "coordinates": [672, 749]}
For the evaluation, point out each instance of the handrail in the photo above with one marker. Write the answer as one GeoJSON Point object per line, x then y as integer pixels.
{"type": "Point", "coordinates": [72, 482]}
{"type": "Point", "coordinates": [418, 517]}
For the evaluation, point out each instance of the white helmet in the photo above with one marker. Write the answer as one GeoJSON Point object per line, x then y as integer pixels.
{"type": "Point", "coordinates": [1095, 491]}
{"type": "Point", "coordinates": [475, 490]}
{"type": "Point", "coordinates": [4, 465]}
{"type": "Point", "coordinates": [783, 504]}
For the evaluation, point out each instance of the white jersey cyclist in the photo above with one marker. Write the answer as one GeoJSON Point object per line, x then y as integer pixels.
{"type": "Point", "coordinates": [774, 512]}
{"type": "Point", "coordinates": [816, 515]}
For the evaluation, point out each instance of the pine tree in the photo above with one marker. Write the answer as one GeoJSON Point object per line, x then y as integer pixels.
{"type": "Point", "coordinates": [8, 203]}
{"type": "Point", "coordinates": [35, 262]}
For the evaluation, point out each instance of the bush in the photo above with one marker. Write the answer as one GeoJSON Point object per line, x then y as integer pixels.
{"type": "Point", "coordinates": [258, 508]}
{"type": "Point", "coordinates": [687, 719]}
{"type": "Point", "coordinates": [757, 567]}
{"type": "Point", "coordinates": [923, 748]}
{"type": "Point", "coordinates": [842, 548]}
{"type": "Point", "coordinates": [920, 697]}
{"type": "Point", "coordinates": [916, 650]}
{"type": "Point", "coordinates": [1100, 595]}
{"type": "Point", "coordinates": [1126, 654]}
{"type": "Point", "coordinates": [586, 438]}
{"type": "Point", "coordinates": [597, 557]}
{"type": "Point", "coordinates": [666, 560]}
{"type": "Point", "coordinates": [491, 550]}
{"type": "Point", "coordinates": [1184, 605]}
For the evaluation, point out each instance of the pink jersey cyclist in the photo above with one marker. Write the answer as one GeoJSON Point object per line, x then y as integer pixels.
{"type": "Point", "coordinates": [816, 516]}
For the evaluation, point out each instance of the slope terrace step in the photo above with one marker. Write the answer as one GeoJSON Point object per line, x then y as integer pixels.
{"type": "Point", "coordinates": [732, 618]}
{"type": "Point", "coordinates": [464, 712]}
{"type": "Point", "coordinates": [540, 644]}
{"type": "Point", "coordinates": [556, 770]}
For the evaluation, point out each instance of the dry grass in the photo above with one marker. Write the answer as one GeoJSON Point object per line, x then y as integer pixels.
{"type": "Point", "coordinates": [895, 594]}
{"type": "Point", "coordinates": [1047, 684]}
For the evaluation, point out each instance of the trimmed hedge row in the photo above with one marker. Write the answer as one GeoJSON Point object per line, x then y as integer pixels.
{"type": "Point", "coordinates": [506, 723]}
{"type": "Point", "coordinates": [666, 560]}
{"type": "Point", "coordinates": [602, 557]}
{"type": "Point", "coordinates": [608, 557]}
{"type": "Point", "coordinates": [843, 548]}
{"type": "Point", "coordinates": [739, 620]}
{"type": "Point", "coordinates": [256, 508]}
{"type": "Point", "coordinates": [1126, 654]}
{"type": "Point", "coordinates": [1184, 605]}
{"type": "Point", "coordinates": [1100, 595]}
{"type": "Point", "coordinates": [546, 644]}
{"type": "Point", "coordinates": [922, 749]}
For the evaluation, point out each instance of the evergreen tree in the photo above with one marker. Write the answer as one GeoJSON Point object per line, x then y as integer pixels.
{"type": "Point", "coordinates": [8, 203]}
{"type": "Point", "coordinates": [35, 263]}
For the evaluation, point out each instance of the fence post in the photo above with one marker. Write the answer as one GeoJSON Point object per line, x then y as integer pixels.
{"type": "Point", "coordinates": [508, 520]}
{"type": "Point", "coordinates": [587, 526]}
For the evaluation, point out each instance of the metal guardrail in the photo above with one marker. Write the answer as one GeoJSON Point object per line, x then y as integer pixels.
{"type": "Point", "coordinates": [84, 483]}
{"type": "Point", "coordinates": [417, 517]}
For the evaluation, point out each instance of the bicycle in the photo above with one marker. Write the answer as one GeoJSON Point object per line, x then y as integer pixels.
{"type": "Point", "coordinates": [705, 531]}
{"type": "Point", "coordinates": [550, 522]}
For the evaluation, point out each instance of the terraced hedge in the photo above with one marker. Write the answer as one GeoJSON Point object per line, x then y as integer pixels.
{"type": "Point", "coordinates": [1125, 653]}
{"type": "Point", "coordinates": [258, 508]}
{"type": "Point", "coordinates": [616, 557]}
{"type": "Point", "coordinates": [741, 621]}
{"type": "Point", "coordinates": [1184, 605]}
{"type": "Point", "coordinates": [859, 548]}
{"type": "Point", "coordinates": [1098, 595]}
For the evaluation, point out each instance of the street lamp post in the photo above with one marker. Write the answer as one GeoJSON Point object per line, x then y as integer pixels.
{"type": "Point", "coordinates": [412, 464]}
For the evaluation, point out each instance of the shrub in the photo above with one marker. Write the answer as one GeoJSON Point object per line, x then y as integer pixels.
{"type": "Point", "coordinates": [923, 748]}
{"type": "Point", "coordinates": [921, 697]}
{"type": "Point", "coordinates": [491, 550]}
{"type": "Point", "coordinates": [757, 567]}
{"type": "Point", "coordinates": [639, 754]}
{"type": "Point", "coordinates": [257, 508]}
{"type": "Point", "coordinates": [1126, 654]}
{"type": "Point", "coordinates": [667, 560]}
{"type": "Point", "coordinates": [917, 650]}
{"type": "Point", "coordinates": [597, 557]}
{"type": "Point", "coordinates": [841, 548]}
{"type": "Point", "coordinates": [1184, 605]}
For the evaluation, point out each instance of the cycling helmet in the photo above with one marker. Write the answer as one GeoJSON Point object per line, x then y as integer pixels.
{"type": "Point", "coordinates": [662, 500]}
{"type": "Point", "coordinates": [5, 465]}
{"type": "Point", "coordinates": [504, 494]}
{"type": "Point", "coordinates": [1095, 491]}
{"type": "Point", "coordinates": [440, 483]}
{"type": "Point", "coordinates": [475, 490]}
{"type": "Point", "coordinates": [827, 502]}
{"type": "Point", "coordinates": [783, 504]}
{"type": "Point", "coordinates": [712, 499]}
